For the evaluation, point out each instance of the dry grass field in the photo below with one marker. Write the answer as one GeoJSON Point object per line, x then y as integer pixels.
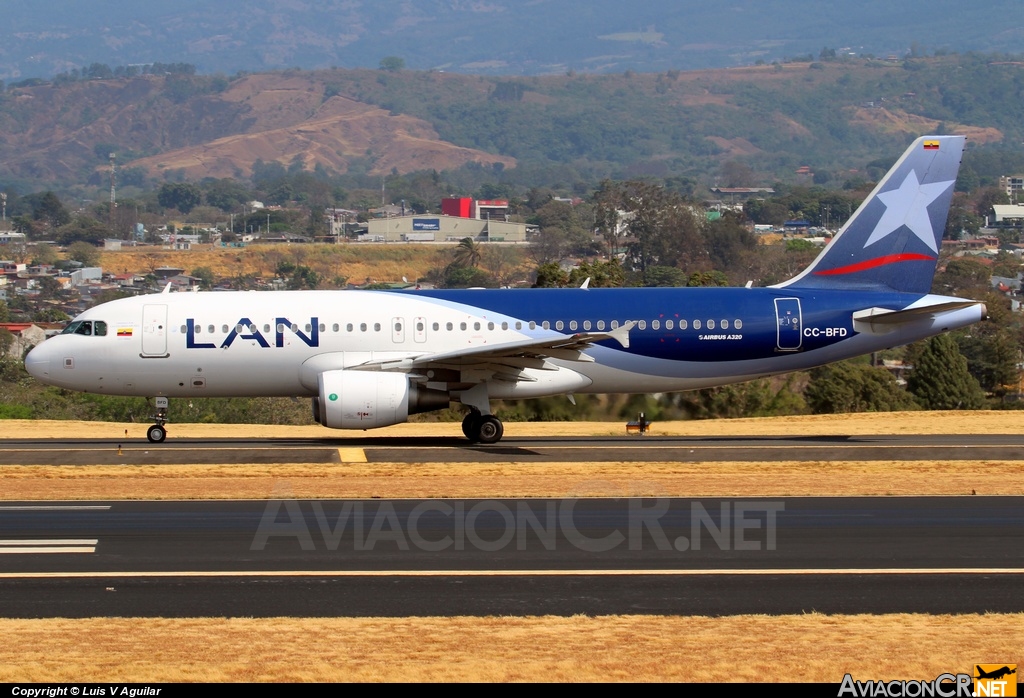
{"type": "Point", "coordinates": [356, 262]}
{"type": "Point", "coordinates": [811, 647]}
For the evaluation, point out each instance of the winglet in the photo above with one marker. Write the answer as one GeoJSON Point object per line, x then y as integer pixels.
{"type": "Point", "coordinates": [167, 288]}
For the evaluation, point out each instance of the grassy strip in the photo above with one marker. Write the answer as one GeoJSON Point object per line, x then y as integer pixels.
{"type": "Point", "coordinates": [511, 480]}
{"type": "Point", "coordinates": [811, 647]}
{"type": "Point", "coordinates": [861, 424]}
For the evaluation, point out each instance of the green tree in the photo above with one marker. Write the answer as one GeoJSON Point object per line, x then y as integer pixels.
{"type": "Point", "coordinates": [550, 275]}
{"type": "Point", "coordinates": [940, 379]}
{"type": "Point", "coordinates": [50, 210]}
{"type": "Point", "coordinates": [855, 386]}
{"type": "Point", "coordinates": [82, 229]}
{"type": "Point", "coordinates": [182, 196]}
{"type": "Point", "coordinates": [392, 63]}
{"type": "Point", "coordinates": [85, 253]}
{"type": "Point", "coordinates": [467, 253]}
{"type": "Point", "coordinates": [205, 276]}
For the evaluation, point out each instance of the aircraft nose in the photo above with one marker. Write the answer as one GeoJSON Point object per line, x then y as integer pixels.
{"type": "Point", "coordinates": [37, 363]}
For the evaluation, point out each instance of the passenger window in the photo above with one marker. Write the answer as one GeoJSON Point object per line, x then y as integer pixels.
{"type": "Point", "coordinates": [682, 324]}
{"type": "Point", "coordinates": [323, 327]}
{"type": "Point", "coordinates": [655, 324]}
{"type": "Point", "coordinates": [348, 327]}
{"type": "Point", "coordinates": [211, 329]}
{"type": "Point", "coordinates": [600, 324]}
{"type": "Point", "coordinates": [615, 324]}
{"type": "Point", "coordinates": [533, 325]}
{"type": "Point", "coordinates": [476, 325]}
{"type": "Point", "coordinates": [462, 326]}
{"type": "Point", "coordinates": [504, 325]}
{"type": "Point", "coordinates": [419, 326]}
{"type": "Point", "coordinates": [519, 325]}
{"type": "Point", "coordinates": [376, 327]}
{"type": "Point", "coordinates": [696, 324]}
{"type": "Point", "coordinates": [224, 329]}
{"type": "Point", "coordinates": [490, 325]}
{"type": "Point", "coordinates": [711, 324]}
{"type": "Point", "coordinates": [642, 324]}
{"type": "Point", "coordinates": [448, 326]}
{"type": "Point", "coordinates": [362, 327]}
{"type": "Point", "coordinates": [546, 325]}
{"type": "Point", "coordinates": [335, 327]}
{"type": "Point", "coordinates": [737, 324]}
{"type": "Point", "coordinates": [586, 324]}
{"type": "Point", "coordinates": [266, 328]}
{"type": "Point", "coordinates": [669, 324]}
{"type": "Point", "coordinates": [184, 329]}
{"type": "Point", "coordinates": [559, 325]}
{"type": "Point", "coordinates": [436, 327]}
{"type": "Point", "coordinates": [573, 324]}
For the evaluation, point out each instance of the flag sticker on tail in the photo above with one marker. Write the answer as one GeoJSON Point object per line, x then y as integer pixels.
{"type": "Point", "coordinates": [892, 240]}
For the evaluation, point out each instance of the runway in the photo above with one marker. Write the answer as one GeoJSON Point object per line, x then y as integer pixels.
{"type": "Point", "coordinates": [714, 556]}
{"type": "Point", "coordinates": [521, 450]}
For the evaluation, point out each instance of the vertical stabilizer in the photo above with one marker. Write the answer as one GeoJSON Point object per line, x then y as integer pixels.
{"type": "Point", "coordinates": [892, 241]}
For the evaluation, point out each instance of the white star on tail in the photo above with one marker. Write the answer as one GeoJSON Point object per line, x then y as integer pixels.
{"type": "Point", "coordinates": [908, 205]}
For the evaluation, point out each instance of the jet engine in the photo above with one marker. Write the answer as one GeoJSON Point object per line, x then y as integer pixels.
{"type": "Point", "coordinates": [369, 399]}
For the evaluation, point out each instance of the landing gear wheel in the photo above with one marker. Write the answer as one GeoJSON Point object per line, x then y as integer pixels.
{"type": "Point", "coordinates": [490, 430]}
{"type": "Point", "coordinates": [156, 434]}
{"type": "Point", "coordinates": [471, 426]}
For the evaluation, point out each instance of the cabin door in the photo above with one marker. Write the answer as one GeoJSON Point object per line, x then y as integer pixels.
{"type": "Point", "coordinates": [154, 331]}
{"type": "Point", "coordinates": [789, 324]}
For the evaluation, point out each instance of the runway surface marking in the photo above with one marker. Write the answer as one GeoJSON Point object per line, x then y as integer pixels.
{"type": "Point", "coordinates": [55, 507]}
{"type": "Point", "coordinates": [521, 573]}
{"type": "Point", "coordinates": [47, 546]}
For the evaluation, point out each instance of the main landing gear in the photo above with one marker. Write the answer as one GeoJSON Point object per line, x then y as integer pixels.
{"type": "Point", "coordinates": [481, 428]}
{"type": "Point", "coordinates": [157, 433]}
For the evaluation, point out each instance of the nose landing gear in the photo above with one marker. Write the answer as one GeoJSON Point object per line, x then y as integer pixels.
{"type": "Point", "coordinates": [157, 433]}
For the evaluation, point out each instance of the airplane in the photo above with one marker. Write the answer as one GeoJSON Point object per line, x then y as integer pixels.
{"type": "Point", "coordinates": [995, 674]}
{"type": "Point", "coordinates": [370, 359]}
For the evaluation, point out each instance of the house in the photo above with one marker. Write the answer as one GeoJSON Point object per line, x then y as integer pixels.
{"type": "Point", "coordinates": [26, 335]}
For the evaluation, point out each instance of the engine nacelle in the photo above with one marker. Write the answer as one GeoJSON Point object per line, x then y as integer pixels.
{"type": "Point", "coordinates": [361, 399]}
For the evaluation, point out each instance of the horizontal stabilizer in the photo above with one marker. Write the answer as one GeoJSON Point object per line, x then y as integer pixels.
{"type": "Point", "coordinates": [881, 320]}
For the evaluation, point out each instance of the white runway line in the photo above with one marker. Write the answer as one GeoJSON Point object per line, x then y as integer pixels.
{"type": "Point", "coordinates": [44, 546]}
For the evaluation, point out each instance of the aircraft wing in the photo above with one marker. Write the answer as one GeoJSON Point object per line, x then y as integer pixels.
{"type": "Point", "coordinates": [527, 353]}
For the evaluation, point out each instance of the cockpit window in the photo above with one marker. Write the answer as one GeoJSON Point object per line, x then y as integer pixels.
{"type": "Point", "coordinates": [88, 328]}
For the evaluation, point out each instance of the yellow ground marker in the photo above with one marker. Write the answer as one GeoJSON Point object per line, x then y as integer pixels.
{"type": "Point", "coordinates": [351, 455]}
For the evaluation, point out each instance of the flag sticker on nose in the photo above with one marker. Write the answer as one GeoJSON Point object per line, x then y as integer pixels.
{"type": "Point", "coordinates": [931, 145]}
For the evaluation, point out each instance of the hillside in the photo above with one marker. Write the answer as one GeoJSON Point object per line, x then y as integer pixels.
{"type": "Point", "coordinates": [57, 132]}
{"type": "Point", "coordinates": [831, 115]}
{"type": "Point", "coordinates": [494, 37]}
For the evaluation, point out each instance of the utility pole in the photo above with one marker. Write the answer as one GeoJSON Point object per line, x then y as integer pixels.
{"type": "Point", "coordinates": [113, 198]}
